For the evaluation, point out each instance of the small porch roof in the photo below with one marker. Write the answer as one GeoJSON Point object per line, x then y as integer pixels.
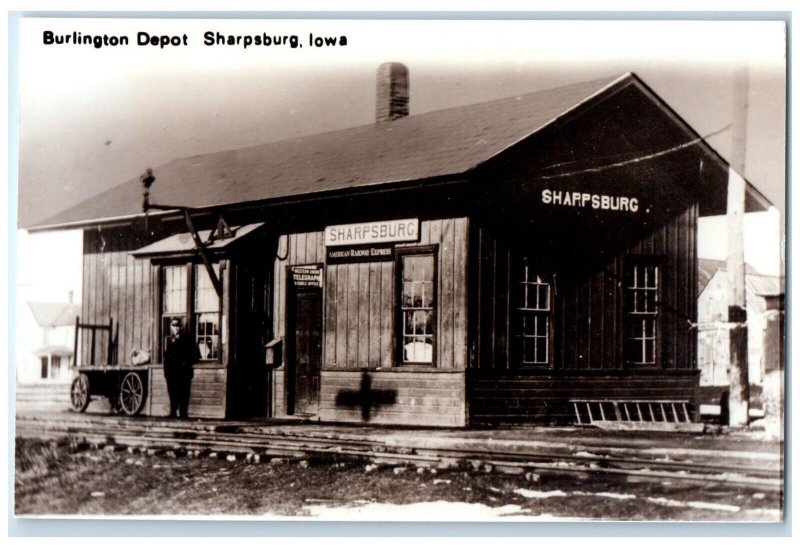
{"type": "Point", "coordinates": [183, 244]}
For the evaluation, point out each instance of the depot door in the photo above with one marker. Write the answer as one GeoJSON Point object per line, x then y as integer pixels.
{"type": "Point", "coordinates": [305, 337]}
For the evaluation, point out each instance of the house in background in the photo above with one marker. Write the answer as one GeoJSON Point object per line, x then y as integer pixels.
{"type": "Point", "coordinates": [50, 331]}
{"type": "Point", "coordinates": [712, 314]}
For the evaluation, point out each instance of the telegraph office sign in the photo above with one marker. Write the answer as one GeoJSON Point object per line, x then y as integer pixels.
{"type": "Point", "coordinates": [376, 232]}
{"type": "Point", "coordinates": [307, 276]}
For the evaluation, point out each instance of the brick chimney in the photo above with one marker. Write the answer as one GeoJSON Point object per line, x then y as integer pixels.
{"type": "Point", "coordinates": [392, 92]}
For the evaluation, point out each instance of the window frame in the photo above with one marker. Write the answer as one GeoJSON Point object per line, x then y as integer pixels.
{"type": "Point", "coordinates": [631, 262]}
{"type": "Point", "coordinates": [517, 292]}
{"type": "Point", "coordinates": [189, 314]}
{"type": "Point", "coordinates": [195, 312]}
{"type": "Point", "coordinates": [55, 369]}
{"type": "Point", "coordinates": [400, 254]}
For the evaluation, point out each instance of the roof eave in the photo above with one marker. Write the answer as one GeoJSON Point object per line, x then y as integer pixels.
{"type": "Point", "coordinates": [368, 188]}
{"type": "Point", "coordinates": [122, 220]}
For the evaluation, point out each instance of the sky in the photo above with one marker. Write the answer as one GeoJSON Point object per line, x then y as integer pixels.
{"type": "Point", "coordinates": [93, 118]}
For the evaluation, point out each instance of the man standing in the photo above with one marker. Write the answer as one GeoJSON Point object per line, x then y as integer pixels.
{"type": "Point", "coordinates": [180, 354]}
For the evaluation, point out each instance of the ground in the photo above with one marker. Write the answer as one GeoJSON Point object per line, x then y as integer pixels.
{"type": "Point", "coordinates": [61, 477]}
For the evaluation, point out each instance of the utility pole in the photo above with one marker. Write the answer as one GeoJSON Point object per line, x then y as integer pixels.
{"type": "Point", "coordinates": [739, 393]}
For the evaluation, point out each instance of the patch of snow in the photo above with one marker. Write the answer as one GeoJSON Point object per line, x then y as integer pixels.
{"type": "Point", "coordinates": [619, 496]}
{"type": "Point", "coordinates": [666, 502]}
{"type": "Point", "coordinates": [530, 494]}
{"type": "Point", "coordinates": [694, 504]}
{"type": "Point", "coordinates": [587, 454]}
{"type": "Point", "coordinates": [765, 514]}
{"type": "Point", "coordinates": [715, 506]}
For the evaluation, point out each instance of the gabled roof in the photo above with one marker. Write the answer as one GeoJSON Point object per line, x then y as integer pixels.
{"type": "Point", "coordinates": [434, 144]}
{"type": "Point", "coordinates": [54, 314]}
{"type": "Point", "coordinates": [757, 283]}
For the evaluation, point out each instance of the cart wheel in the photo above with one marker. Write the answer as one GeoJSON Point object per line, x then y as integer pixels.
{"type": "Point", "coordinates": [131, 394]}
{"type": "Point", "coordinates": [79, 393]}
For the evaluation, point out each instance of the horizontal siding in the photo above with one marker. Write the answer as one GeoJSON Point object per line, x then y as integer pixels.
{"type": "Point", "coordinates": [278, 394]}
{"type": "Point", "coordinates": [207, 397]}
{"type": "Point", "coordinates": [542, 399]}
{"type": "Point", "coordinates": [420, 398]}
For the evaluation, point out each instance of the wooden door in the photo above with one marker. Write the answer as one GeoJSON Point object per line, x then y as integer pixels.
{"type": "Point", "coordinates": [306, 350]}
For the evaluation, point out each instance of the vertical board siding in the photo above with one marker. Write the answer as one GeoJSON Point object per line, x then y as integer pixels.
{"type": "Point", "coordinates": [86, 303]}
{"type": "Point", "coordinates": [485, 287]}
{"type": "Point", "coordinates": [330, 320]}
{"type": "Point", "coordinates": [354, 293]}
{"type": "Point", "coordinates": [119, 287]}
{"type": "Point", "coordinates": [359, 299]}
{"type": "Point", "coordinates": [460, 264]}
{"type": "Point", "coordinates": [359, 318]}
{"type": "Point", "coordinates": [610, 342]}
{"type": "Point", "coordinates": [374, 323]}
{"type": "Point", "coordinates": [597, 319]}
{"type": "Point", "coordinates": [340, 313]}
{"type": "Point", "coordinates": [365, 334]}
{"type": "Point", "coordinates": [387, 319]}
{"type": "Point", "coordinates": [587, 311]}
{"type": "Point", "coordinates": [445, 309]}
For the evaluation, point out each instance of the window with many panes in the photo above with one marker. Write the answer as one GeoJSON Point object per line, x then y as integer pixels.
{"type": "Point", "coordinates": [642, 279]}
{"type": "Point", "coordinates": [532, 300]}
{"type": "Point", "coordinates": [174, 291]}
{"type": "Point", "coordinates": [206, 314]}
{"type": "Point", "coordinates": [195, 304]}
{"type": "Point", "coordinates": [417, 314]}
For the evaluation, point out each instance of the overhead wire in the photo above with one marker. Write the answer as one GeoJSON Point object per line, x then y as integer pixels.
{"type": "Point", "coordinates": [630, 161]}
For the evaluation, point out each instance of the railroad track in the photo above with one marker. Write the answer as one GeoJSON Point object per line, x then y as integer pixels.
{"type": "Point", "coordinates": [589, 458]}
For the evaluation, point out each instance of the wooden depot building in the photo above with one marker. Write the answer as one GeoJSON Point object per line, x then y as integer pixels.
{"type": "Point", "coordinates": [503, 262]}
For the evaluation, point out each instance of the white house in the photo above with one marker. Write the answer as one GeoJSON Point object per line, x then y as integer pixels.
{"type": "Point", "coordinates": [50, 330]}
{"type": "Point", "coordinates": [713, 342]}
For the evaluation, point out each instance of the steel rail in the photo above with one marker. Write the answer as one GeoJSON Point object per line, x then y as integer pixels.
{"type": "Point", "coordinates": [275, 445]}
